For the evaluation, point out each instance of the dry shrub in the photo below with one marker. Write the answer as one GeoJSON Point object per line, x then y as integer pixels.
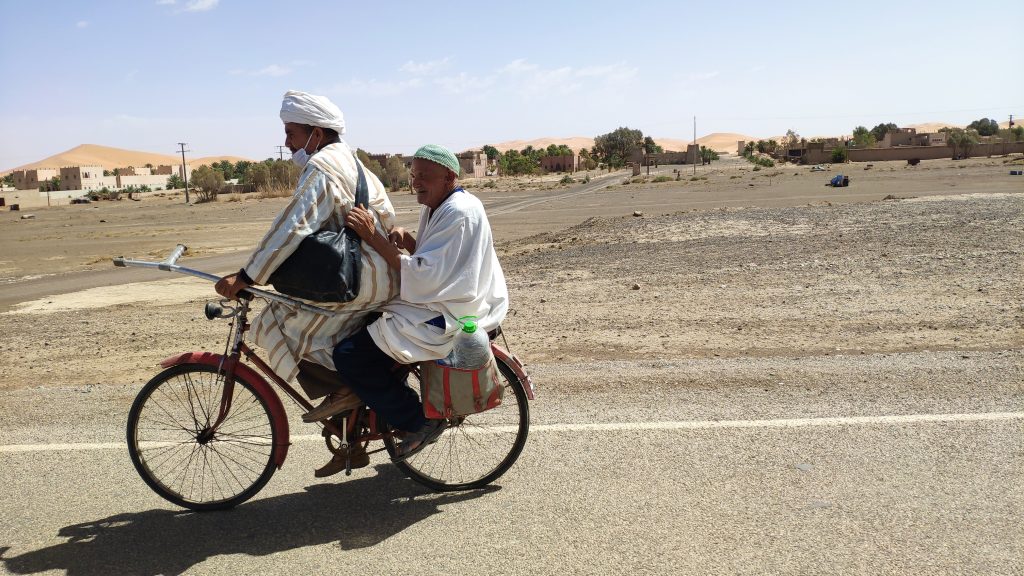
{"type": "Point", "coordinates": [236, 197]}
{"type": "Point", "coordinates": [264, 192]}
{"type": "Point", "coordinates": [203, 196]}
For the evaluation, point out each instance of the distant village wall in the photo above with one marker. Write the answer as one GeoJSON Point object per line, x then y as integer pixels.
{"type": "Point", "coordinates": [558, 163]}
{"type": "Point", "coordinates": [821, 155]}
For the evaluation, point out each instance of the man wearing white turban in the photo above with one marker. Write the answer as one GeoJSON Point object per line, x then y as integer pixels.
{"type": "Point", "coordinates": [299, 343]}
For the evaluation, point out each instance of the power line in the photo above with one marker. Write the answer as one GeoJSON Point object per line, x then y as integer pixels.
{"type": "Point", "coordinates": [280, 152]}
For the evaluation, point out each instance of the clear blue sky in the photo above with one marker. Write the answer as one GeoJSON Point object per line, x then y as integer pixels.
{"type": "Point", "coordinates": [146, 74]}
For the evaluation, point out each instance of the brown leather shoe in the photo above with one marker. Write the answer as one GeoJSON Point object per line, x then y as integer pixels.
{"type": "Point", "coordinates": [334, 403]}
{"type": "Point", "coordinates": [358, 459]}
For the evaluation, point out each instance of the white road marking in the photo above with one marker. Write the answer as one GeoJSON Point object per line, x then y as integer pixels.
{"type": "Point", "coordinates": [632, 426]}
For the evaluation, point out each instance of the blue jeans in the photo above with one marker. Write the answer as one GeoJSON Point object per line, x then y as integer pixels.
{"type": "Point", "coordinates": [379, 381]}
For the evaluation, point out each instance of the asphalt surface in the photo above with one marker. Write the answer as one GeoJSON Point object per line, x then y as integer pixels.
{"type": "Point", "coordinates": [870, 464]}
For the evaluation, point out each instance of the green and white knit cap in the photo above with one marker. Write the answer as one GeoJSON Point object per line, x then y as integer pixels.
{"type": "Point", "coordinates": [439, 155]}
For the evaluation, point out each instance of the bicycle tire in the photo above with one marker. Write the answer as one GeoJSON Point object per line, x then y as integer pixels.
{"type": "Point", "coordinates": [446, 465]}
{"type": "Point", "coordinates": [163, 434]}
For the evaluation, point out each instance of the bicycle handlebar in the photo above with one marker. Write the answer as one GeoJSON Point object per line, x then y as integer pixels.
{"type": "Point", "coordinates": [169, 265]}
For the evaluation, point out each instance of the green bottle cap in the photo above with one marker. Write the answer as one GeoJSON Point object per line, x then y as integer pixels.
{"type": "Point", "coordinates": [468, 325]}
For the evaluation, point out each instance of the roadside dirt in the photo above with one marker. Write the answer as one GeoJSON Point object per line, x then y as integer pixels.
{"type": "Point", "coordinates": [926, 273]}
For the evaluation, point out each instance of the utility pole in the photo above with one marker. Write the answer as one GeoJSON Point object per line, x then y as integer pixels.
{"type": "Point", "coordinates": [184, 169]}
{"type": "Point", "coordinates": [696, 151]}
{"type": "Point", "coordinates": [280, 152]}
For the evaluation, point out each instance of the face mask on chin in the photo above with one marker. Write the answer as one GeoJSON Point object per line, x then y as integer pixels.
{"type": "Point", "coordinates": [300, 157]}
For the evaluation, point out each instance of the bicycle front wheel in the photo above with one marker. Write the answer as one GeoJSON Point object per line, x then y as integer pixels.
{"type": "Point", "coordinates": [173, 449]}
{"type": "Point", "coordinates": [476, 449]}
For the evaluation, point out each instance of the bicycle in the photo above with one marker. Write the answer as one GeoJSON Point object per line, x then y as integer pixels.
{"type": "Point", "coordinates": [209, 431]}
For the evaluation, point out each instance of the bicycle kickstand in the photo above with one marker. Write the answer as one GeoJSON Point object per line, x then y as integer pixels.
{"type": "Point", "coordinates": [345, 446]}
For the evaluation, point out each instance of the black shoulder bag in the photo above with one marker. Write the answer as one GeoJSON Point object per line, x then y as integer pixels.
{"type": "Point", "coordinates": [326, 265]}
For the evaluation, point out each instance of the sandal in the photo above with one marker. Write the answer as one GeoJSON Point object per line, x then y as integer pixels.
{"type": "Point", "coordinates": [416, 441]}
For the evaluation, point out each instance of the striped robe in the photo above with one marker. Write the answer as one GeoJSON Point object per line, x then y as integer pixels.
{"type": "Point", "coordinates": [324, 195]}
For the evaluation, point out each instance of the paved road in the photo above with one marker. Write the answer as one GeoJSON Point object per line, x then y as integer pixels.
{"type": "Point", "coordinates": [822, 475]}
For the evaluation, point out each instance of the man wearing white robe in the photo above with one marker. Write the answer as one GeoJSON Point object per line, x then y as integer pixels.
{"type": "Point", "coordinates": [451, 271]}
{"type": "Point", "coordinates": [324, 196]}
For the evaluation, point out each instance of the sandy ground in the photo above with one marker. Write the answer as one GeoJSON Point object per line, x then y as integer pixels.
{"type": "Point", "coordinates": [809, 271]}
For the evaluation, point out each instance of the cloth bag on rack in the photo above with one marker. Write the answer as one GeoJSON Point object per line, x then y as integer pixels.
{"type": "Point", "coordinates": [448, 391]}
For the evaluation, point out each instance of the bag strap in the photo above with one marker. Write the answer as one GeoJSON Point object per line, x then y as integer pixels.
{"type": "Point", "coordinates": [362, 190]}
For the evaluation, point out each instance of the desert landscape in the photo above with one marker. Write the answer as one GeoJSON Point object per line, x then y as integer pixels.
{"type": "Point", "coordinates": [729, 262]}
{"type": "Point", "coordinates": [716, 352]}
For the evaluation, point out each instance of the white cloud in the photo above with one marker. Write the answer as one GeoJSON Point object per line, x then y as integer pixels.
{"type": "Point", "coordinates": [703, 75]}
{"type": "Point", "coordinates": [425, 68]}
{"type": "Point", "coordinates": [463, 83]}
{"type": "Point", "coordinates": [374, 87]}
{"type": "Point", "coordinates": [164, 2]}
{"type": "Point", "coordinates": [611, 73]}
{"type": "Point", "coordinates": [532, 81]}
{"type": "Point", "coordinates": [274, 70]}
{"type": "Point", "coordinates": [81, 24]}
{"type": "Point", "coordinates": [519, 78]}
{"type": "Point", "coordinates": [200, 5]}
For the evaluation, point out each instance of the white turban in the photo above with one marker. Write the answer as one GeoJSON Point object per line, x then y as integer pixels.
{"type": "Point", "coordinates": [311, 110]}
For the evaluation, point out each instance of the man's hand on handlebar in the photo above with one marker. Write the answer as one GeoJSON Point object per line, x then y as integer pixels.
{"type": "Point", "coordinates": [230, 285]}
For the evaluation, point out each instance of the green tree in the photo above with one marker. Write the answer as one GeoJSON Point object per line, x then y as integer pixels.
{"type": "Point", "coordinates": [707, 155]}
{"type": "Point", "coordinates": [881, 130]}
{"type": "Point", "coordinates": [514, 162]}
{"type": "Point", "coordinates": [984, 127]}
{"type": "Point", "coordinates": [491, 152]}
{"type": "Point", "coordinates": [371, 164]}
{"type": "Point", "coordinates": [1015, 134]}
{"type": "Point", "coordinates": [587, 161]}
{"type": "Point", "coordinates": [175, 182]}
{"type": "Point", "coordinates": [8, 180]}
{"type": "Point", "coordinates": [792, 139]}
{"type": "Point", "coordinates": [285, 174]}
{"type": "Point", "coordinates": [395, 173]}
{"type": "Point", "coordinates": [962, 141]}
{"type": "Point", "coordinates": [208, 181]}
{"type": "Point", "coordinates": [242, 171]}
{"type": "Point", "coordinates": [226, 168]}
{"type": "Point", "coordinates": [840, 154]}
{"type": "Point", "coordinates": [54, 183]}
{"type": "Point", "coordinates": [863, 138]}
{"type": "Point", "coordinates": [617, 147]}
{"type": "Point", "coordinates": [652, 147]}
{"type": "Point", "coordinates": [258, 175]}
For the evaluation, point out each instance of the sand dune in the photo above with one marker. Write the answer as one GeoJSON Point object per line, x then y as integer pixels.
{"type": "Point", "coordinates": [206, 160]}
{"type": "Point", "coordinates": [574, 142]}
{"type": "Point", "coordinates": [110, 158]}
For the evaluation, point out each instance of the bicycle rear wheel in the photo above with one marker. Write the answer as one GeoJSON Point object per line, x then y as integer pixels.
{"type": "Point", "coordinates": [174, 452]}
{"type": "Point", "coordinates": [477, 449]}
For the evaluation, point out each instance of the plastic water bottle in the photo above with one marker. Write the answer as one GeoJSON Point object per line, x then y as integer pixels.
{"type": "Point", "coordinates": [472, 348]}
